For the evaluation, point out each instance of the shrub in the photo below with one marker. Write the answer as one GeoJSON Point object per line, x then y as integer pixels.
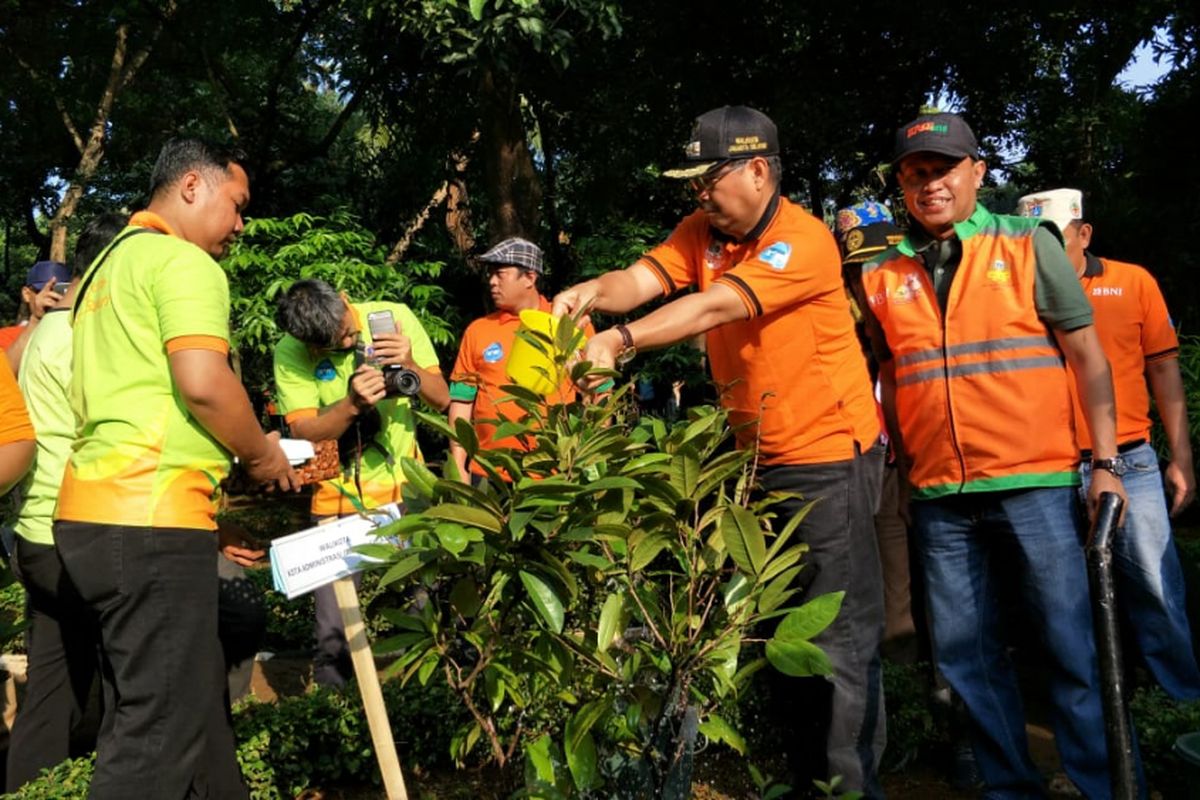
{"type": "Point", "coordinates": [1159, 721]}
{"type": "Point", "coordinates": [594, 611]}
{"type": "Point", "coordinates": [319, 739]}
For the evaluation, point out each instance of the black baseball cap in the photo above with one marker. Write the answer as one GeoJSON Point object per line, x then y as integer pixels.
{"type": "Point", "coordinates": [726, 134]}
{"type": "Point", "coordinates": [945, 134]}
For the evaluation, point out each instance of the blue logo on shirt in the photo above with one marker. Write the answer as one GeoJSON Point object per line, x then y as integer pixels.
{"type": "Point", "coordinates": [776, 255]}
{"type": "Point", "coordinates": [493, 353]}
{"type": "Point", "coordinates": [325, 370]}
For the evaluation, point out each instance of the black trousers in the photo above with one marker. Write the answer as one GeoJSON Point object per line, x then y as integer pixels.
{"type": "Point", "coordinates": [63, 662]}
{"type": "Point", "coordinates": [153, 592]}
{"type": "Point", "coordinates": [838, 725]}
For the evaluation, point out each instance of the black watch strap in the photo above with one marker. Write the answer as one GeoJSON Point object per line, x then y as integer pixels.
{"type": "Point", "coordinates": [626, 337]}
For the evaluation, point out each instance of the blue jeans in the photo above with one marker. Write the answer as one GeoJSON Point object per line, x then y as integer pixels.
{"type": "Point", "coordinates": [1150, 591]}
{"type": "Point", "coordinates": [960, 540]}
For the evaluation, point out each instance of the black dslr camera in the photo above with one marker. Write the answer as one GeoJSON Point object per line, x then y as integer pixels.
{"type": "Point", "coordinates": [398, 381]}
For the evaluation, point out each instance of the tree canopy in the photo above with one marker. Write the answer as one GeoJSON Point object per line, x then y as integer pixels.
{"type": "Point", "coordinates": [444, 125]}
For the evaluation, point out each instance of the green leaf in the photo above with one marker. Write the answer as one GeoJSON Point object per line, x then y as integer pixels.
{"type": "Point", "coordinates": [494, 687]}
{"type": "Point", "coordinates": [581, 759]}
{"type": "Point", "coordinates": [464, 597]}
{"type": "Point", "coordinates": [744, 539]}
{"type": "Point", "coordinates": [645, 550]}
{"type": "Point", "coordinates": [778, 591]}
{"type": "Point", "coordinates": [718, 730]}
{"type": "Point", "coordinates": [799, 659]}
{"type": "Point", "coordinates": [465, 515]}
{"type": "Point", "coordinates": [685, 471]}
{"type": "Point", "coordinates": [455, 538]}
{"type": "Point", "coordinates": [610, 620]}
{"type": "Point", "coordinates": [403, 568]}
{"type": "Point", "coordinates": [545, 599]}
{"type": "Point", "coordinates": [539, 760]}
{"type": "Point", "coordinates": [811, 618]}
{"type": "Point", "coordinates": [419, 475]}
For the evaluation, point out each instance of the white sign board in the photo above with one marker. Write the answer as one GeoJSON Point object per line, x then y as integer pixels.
{"type": "Point", "coordinates": [303, 561]}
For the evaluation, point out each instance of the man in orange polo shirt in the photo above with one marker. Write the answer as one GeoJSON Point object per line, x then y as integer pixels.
{"type": "Point", "coordinates": [1139, 340]}
{"type": "Point", "coordinates": [782, 345]}
{"type": "Point", "coordinates": [514, 268]}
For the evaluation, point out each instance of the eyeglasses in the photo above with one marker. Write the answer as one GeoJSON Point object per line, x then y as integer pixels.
{"type": "Point", "coordinates": [704, 184]}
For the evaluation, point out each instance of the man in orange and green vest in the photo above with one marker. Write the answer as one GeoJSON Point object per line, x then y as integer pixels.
{"type": "Point", "coordinates": [974, 317]}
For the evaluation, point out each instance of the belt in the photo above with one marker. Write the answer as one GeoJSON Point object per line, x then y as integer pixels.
{"type": "Point", "coordinates": [1122, 449]}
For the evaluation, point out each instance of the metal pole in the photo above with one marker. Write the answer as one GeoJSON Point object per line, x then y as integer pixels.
{"type": "Point", "coordinates": [1118, 729]}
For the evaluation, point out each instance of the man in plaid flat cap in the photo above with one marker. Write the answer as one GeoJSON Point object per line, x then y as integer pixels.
{"type": "Point", "coordinates": [514, 268]}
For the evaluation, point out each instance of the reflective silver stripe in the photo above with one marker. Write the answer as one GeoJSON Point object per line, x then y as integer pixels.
{"type": "Point", "coordinates": [999, 365]}
{"type": "Point", "coordinates": [969, 348]}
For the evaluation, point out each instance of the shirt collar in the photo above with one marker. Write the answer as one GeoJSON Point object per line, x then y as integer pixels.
{"type": "Point", "coordinates": [509, 316]}
{"type": "Point", "coordinates": [768, 215]}
{"type": "Point", "coordinates": [1092, 266]}
{"type": "Point", "coordinates": [148, 219]}
{"type": "Point", "coordinates": [918, 239]}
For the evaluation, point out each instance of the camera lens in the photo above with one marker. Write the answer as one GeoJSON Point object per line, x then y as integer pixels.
{"type": "Point", "coordinates": [401, 382]}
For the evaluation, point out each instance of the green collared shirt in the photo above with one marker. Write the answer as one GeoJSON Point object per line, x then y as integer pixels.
{"type": "Point", "coordinates": [1058, 296]}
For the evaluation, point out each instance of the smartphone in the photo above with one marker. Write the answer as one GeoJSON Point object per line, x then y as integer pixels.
{"type": "Point", "coordinates": [381, 322]}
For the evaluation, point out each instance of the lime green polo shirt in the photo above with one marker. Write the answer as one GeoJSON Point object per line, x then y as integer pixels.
{"type": "Point", "coordinates": [308, 380]}
{"type": "Point", "coordinates": [140, 458]}
{"type": "Point", "coordinates": [45, 380]}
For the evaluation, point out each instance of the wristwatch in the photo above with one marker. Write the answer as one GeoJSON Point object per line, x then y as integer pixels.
{"type": "Point", "coordinates": [627, 351]}
{"type": "Point", "coordinates": [1114, 465]}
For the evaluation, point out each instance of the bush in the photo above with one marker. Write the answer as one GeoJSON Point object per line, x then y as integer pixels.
{"type": "Point", "coordinates": [1159, 721]}
{"type": "Point", "coordinates": [319, 739]}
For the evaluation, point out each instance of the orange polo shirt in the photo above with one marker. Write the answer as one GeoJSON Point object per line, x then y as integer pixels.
{"type": "Point", "coordinates": [1135, 330]}
{"type": "Point", "coordinates": [479, 372]}
{"type": "Point", "coordinates": [14, 418]}
{"type": "Point", "coordinates": [795, 365]}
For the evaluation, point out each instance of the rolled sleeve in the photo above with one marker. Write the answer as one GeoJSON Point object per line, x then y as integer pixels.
{"type": "Point", "coordinates": [1058, 294]}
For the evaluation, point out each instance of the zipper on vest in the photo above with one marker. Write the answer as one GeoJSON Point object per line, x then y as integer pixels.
{"type": "Point", "coordinates": [962, 464]}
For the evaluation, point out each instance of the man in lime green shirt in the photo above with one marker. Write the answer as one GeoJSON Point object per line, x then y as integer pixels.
{"type": "Point", "coordinates": [62, 644]}
{"type": "Point", "coordinates": [325, 390]}
{"type": "Point", "coordinates": [159, 416]}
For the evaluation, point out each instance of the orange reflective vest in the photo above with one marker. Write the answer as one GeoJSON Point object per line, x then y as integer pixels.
{"type": "Point", "coordinates": [981, 391]}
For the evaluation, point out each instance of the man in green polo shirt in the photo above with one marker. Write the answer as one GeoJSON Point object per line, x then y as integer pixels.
{"type": "Point", "coordinates": [62, 643]}
{"type": "Point", "coordinates": [329, 386]}
{"type": "Point", "coordinates": [160, 414]}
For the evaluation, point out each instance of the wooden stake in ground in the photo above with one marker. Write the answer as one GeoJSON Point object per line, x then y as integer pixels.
{"type": "Point", "coordinates": [368, 686]}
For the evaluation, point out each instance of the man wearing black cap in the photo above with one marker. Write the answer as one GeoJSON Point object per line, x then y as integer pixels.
{"type": "Point", "coordinates": [971, 316]}
{"type": "Point", "coordinates": [782, 346]}
{"type": "Point", "coordinates": [514, 267]}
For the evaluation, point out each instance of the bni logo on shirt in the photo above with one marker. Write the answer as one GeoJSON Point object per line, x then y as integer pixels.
{"type": "Point", "coordinates": [776, 255]}
{"type": "Point", "coordinates": [493, 353]}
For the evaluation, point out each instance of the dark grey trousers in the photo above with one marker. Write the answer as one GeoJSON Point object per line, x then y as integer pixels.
{"type": "Point", "coordinates": [838, 723]}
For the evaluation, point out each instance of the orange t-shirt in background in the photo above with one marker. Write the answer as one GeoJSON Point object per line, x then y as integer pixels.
{"type": "Point", "coordinates": [1135, 330]}
{"type": "Point", "coordinates": [482, 359]}
{"type": "Point", "coordinates": [14, 418]}
{"type": "Point", "coordinates": [796, 361]}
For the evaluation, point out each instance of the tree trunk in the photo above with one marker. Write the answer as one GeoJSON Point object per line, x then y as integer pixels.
{"type": "Point", "coordinates": [91, 150]}
{"type": "Point", "coordinates": [511, 180]}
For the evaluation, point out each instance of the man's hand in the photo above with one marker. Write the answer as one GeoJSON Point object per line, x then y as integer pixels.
{"type": "Point", "coordinates": [1180, 481]}
{"type": "Point", "coordinates": [392, 349]}
{"type": "Point", "coordinates": [601, 350]}
{"type": "Point", "coordinates": [235, 544]}
{"type": "Point", "coordinates": [46, 298]}
{"type": "Point", "coordinates": [580, 296]}
{"type": "Point", "coordinates": [272, 467]}
{"type": "Point", "coordinates": [1105, 481]}
{"type": "Point", "coordinates": [366, 387]}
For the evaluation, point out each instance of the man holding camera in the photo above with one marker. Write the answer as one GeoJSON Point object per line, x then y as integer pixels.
{"type": "Point", "coordinates": [347, 371]}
